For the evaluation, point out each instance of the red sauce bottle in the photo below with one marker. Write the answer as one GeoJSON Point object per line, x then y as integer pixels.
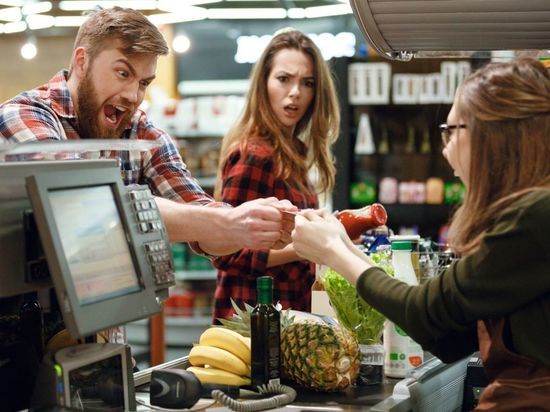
{"type": "Point", "coordinates": [356, 221]}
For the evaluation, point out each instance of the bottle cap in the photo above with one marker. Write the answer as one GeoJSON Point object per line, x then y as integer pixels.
{"type": "Point", "coordinates": [264, 287]}
{"type": "Point", "coordinates": [264, 282]}
{"type": "Point", "coordinates": [401, 245]}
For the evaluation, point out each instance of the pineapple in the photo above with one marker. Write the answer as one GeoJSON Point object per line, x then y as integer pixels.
{"type": "Point", "coordinates": [315, 354]}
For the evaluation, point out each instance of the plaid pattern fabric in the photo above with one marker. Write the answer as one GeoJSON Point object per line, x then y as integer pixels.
{"type": "Point", "coordinates": [47, 113]}
{"type": "Point", "coordinates": [246, 177]}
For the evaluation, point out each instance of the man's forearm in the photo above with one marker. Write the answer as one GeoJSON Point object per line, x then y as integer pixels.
{"type": "Point", "coordinates": [185, 222]}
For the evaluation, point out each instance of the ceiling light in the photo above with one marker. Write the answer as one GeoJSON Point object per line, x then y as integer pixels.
{"type": "Point", "coordinates": [296, 13]}
{"type": "Point", "coordinates": [181, 43]}
{"type": "Point", "coordinates": [35, 8]}
{"type": "Point", "coordinates": [13, 3]}
{"type": "Point", "coordinates": [10, 14]}
{"type": "Point", "coordinates": [176, 6]}
{"type": "Point", "coordinates": [187, 14]}
{"type": "Point", "coordinates": [73, 5]}
{"type": "Point", "coordinates": [326, 11]}
{"type": "Point", "coordinates": [28, 51]}
{"type": "Point", "coordinates": [70, 21]}
{"type": "Point", "coordinates": [40, 21]}
{"type": "Point", "coordinates": [267, 13]}
{"type": "Point", "coordinates": [15, 27]}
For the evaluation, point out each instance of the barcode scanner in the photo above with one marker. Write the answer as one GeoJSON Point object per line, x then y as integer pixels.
{"type": "Point", "coordinates": [178, 389]}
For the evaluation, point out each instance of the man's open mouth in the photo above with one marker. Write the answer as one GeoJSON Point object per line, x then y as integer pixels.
{"type": "Point", "coordinates": [114, 113]}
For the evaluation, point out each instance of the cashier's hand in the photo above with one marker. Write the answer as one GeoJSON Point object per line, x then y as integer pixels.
{"type": "Point", "coordinates": [259, 224]}
{"type": "Point", "coordinates": [318, 235]}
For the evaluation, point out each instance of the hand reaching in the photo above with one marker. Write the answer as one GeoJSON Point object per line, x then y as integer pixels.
{"type": "Point", "coordinates": [317, 235]}
{"type": "Point", "coordinates": [259, 224]}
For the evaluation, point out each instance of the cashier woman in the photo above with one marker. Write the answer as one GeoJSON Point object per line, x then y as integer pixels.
{"type": "Point", "coordinates": [496, 298]}
{"type": "Point", "coordinates": [114, 60]}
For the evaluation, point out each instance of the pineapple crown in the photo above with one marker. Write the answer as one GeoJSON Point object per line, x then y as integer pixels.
{"type": "Point", "coordinates": [240, 320]}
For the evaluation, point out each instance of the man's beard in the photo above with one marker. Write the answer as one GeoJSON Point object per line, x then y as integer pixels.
{"type": "Point", "coordinates": [89, 111]}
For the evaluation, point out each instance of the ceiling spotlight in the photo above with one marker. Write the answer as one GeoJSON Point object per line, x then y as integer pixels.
{"type": "Point", "coordinates": [181, 43]}
{"type": "Point", "coordinates": [28, 51]}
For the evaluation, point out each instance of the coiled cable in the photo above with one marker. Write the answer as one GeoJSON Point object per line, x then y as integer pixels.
{"type": "Point", "coordinates": [283, 395]}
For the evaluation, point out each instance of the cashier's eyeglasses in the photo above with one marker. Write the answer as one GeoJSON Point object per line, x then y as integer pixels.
{"type": "Point", "coordinates": [447, 130]}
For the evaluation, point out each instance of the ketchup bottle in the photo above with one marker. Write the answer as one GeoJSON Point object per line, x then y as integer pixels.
{"type": "Point", "coordinates": [356, 221]}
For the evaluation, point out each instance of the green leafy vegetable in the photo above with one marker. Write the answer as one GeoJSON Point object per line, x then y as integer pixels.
{"type": "Point", "coordinates": [365, 322]}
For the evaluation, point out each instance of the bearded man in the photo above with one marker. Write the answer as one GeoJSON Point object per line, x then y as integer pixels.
{"type": "Point", "coordinates": [113, 62]}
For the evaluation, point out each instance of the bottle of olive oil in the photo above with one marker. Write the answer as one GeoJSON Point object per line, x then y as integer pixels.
{"type": "Point", "coordinates": [265, 333]}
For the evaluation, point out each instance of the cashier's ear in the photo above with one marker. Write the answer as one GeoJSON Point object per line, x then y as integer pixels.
{"type": "Point", "coordinates": [80, 62]}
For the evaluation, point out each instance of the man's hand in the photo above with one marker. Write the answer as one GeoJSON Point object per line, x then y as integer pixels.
{"type": "Point", "coordinates": [260, 223]}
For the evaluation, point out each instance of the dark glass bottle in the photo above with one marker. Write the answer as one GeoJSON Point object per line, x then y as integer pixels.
{"type": "Point", "coordinates": [265, 333]}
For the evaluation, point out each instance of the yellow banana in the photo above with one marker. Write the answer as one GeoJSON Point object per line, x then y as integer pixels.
{"type": "Point", "coordinates": [218, 376]}
{"type": "Point", "coordinates": [201, 355]}
{"type": "Point", "coordinates": [227, 339]}
{"type": "Point", "coordinates": [246, 340]}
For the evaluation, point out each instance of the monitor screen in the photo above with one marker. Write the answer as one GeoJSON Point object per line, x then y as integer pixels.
{"type": "Point", "coordinates": [94, 243]}
{"type": "Point", "coordinates": [106, 262]}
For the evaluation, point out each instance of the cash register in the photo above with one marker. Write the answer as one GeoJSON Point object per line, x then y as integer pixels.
{"type": "Point", "coordinates": [81, 250]}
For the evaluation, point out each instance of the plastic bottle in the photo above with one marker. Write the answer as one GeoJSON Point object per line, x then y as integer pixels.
{"type": "Point", "coordinates": [380, 238]}
{"type": "Point", "coordinates": [401, 353]}
{"type": "Point", "coordinates": [265, 333]}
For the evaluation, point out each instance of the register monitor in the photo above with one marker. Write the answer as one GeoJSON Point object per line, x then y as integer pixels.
{"type": "Point", "coordinates": [106, 246]}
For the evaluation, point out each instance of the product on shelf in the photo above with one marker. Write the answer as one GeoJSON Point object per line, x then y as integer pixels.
{"type": "Point", "coordinates": [362, 193]}
{"type": "Point", "coordinates": [434, 190]}
{"type": "Point", "coordinates": [388, 190]}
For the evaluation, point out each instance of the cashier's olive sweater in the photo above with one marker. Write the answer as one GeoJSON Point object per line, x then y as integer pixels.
{"type": "Point", "coordinates": [509, 276]}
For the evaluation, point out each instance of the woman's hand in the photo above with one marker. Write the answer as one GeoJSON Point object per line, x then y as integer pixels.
{"type": "Point", "coordinates": [320, 237]}
{"type": "Point", "coordinates": [317, 235]}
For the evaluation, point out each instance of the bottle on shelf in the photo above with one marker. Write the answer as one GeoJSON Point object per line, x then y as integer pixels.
{"type": "Point", "coordinates": [401, 353]}
{"type": "Point", "coordinates": [384, 145]}
{"type": "Point", "coordinates": [265, 333]}
{"type": "Point", "coordinates": [410, 145]}
{"type": "Point", "coordinates": [425, 145]}
{"type": "Point", "coordinates": [364, 143]}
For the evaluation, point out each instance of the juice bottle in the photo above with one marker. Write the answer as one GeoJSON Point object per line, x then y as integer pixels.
{"type": "Point", "coordinates": [401, 353]}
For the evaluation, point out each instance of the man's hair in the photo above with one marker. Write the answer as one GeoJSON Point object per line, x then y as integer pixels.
{"type": "Point", "coordinates": [506, 107]}
{"type": "Point", "coordinates": [134, 31]}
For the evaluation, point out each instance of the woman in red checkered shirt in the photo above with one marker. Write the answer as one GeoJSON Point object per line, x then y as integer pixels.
{"type": "Point", "coordinates": [290, 120]}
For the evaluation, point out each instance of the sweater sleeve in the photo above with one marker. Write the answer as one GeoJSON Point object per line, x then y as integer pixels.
{"type": "Point", "coordinates": [442, 313]}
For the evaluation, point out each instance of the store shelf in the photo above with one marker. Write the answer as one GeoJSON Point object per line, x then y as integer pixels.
{"type": "Point", "coordinates": [196, 274]}
{"type": "Point", "coordinates": [180, 331]}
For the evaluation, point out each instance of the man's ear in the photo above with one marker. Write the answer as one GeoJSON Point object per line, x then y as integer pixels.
{"type": "Point", "coordinates": [80, 62]}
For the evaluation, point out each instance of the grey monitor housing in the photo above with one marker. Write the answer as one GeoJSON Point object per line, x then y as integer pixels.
{"type": "Point", "coordinates": [402, 30]}
{"type": "Point", "coordinates": [105, 244]}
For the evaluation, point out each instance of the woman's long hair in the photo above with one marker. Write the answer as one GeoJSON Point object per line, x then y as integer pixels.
{"type": "Point", "coordinates": [506, 107]}
{"type": "Point", "coordinates": [318, 129]}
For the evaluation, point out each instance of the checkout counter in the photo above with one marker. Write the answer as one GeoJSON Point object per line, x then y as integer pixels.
{"type": "Point", "coordinates": [79, 244]}
{"type": "Point", "coordinates": [433, 386]}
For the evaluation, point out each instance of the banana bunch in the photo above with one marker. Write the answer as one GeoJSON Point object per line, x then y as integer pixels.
{"type": "Point", "coordinates": [222, 356]}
